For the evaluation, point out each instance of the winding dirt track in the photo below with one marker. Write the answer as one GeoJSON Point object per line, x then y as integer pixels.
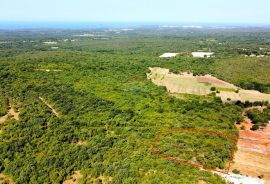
{"type": "Point", "coordinates": [50, 107]}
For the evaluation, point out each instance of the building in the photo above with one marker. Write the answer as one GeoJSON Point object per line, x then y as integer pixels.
{"type": "Point", "coordinates": [168, 55]}
{"type": "Point", "coordinates": [202, 54]}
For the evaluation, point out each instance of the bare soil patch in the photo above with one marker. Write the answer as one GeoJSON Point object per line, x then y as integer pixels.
{"type": "Point", "coordinates": [11, 114]}
{"type": "Point", "coordinates": [3, 119]}
{"type": "Point", "coordinates": [4, 179]}
{"type": "Point", "coordinates": [202, 182]}
{"type": "Point", "coordinates": [253, 155]}
{"type": "Point", "coordinates": [252, 163]}
{"type": "Point", "coordinates": [74, 179]}
{"type": "Point", "coordinates": [178, 83]}
{"type": "Point", "coordinates": [103, 179]}
{"type": "Point", "coordinates": [14, 114]}
{"type": "Point", "coordinates": [215, 81]}
{"type": "Point", "coordinates": [49, 70]}
{"type": "Point", "coordinates": [81, 143]}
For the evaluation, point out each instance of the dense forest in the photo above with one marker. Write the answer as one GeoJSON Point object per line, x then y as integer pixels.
{"type": "Point", "coordinates": [109, 113]}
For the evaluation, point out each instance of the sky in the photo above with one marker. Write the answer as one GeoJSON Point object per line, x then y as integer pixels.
{"type": "Point", "coordinates": [206, 11]}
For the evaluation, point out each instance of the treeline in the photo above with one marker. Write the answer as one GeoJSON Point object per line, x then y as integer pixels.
{"type": "Point", "coordinates": [259, 118]}
{"type": "Point", "coordinates": [251, 104]}
{"type": "Point", "coordinates": [264, 88]}
{"type": "Point", "coordinates": [255, 51]}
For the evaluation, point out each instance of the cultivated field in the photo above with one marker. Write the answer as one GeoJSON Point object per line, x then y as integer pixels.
{"type": "Point", "coordinates": [187, 83]}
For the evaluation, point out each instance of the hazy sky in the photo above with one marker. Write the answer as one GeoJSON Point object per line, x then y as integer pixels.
{"type": "Point", "coordinates": [217, 11]}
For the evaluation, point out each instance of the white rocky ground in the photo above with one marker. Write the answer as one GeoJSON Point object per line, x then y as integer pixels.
{"type": "Point", "coordinates": [240, 179]}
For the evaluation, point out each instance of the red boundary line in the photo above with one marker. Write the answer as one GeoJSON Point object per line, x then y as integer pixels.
{"type": "Point", "coordinates": [155, 150]}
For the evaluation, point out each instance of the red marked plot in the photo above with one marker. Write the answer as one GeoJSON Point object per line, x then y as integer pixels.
{"type": "Point", "coordinates": [169, 151]}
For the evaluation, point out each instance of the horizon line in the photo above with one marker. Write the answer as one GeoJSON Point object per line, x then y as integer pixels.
{"type": "Point", "coordinates": [132, 21]}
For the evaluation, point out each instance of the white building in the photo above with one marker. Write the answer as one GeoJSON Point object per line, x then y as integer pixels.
{"type": "Point", "coordinates": [168, 55]}
{"type": "Point", "coordinates": [50, 43]}
{"type": "Point", "coordinates": [202, 54]}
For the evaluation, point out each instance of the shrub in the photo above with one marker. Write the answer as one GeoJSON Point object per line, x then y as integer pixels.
{"type": "Point", "coordinates": [255, 127]}
{"type": "Point", "coordinates": [235, 171]}
{"type": "Point", "coordinates": [160, 109]}
{"type": "Point", "coordinates": [213, 88]}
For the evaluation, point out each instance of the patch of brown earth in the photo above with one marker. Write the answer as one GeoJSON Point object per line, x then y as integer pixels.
{"type": "Point", "coordinates": [11, 114]}
{"type": "Point", "coordinates": [104, 179]}
{"type": "Point", "coordinates": [252, 163]}
{"type": "Point", "coordinates": [202, 182]}
{"type": "Point", "coordinates": [50, 107]}
{"type": "Point", "coordinates": [253, 155]}
{"type": "Point", "coordinates": [259, 146]}
{"type": "Point", "coordinates": [74, 179]}
{"type": "Point", "coordinates": [14, 114]}
{"type": "Point", "coordinates": [214, 81]}
{"type": "Point", "coordinates": [3, 119]}
{"type": "Point", "coordinates": [4, 179]}
{"type": "Point", "coordinates": [81, 143]}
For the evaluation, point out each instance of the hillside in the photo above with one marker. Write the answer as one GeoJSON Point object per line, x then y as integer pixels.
{"type": "Point", "coordinates": [87, 107]}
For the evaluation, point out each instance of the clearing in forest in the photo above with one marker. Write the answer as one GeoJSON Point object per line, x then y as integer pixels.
{"type": "Point", "coordinates": [102, 179]}
{"type": "Point", "coordinates": [50, 107]}
{"type": "Point", "coordinates": [186, 83]}
{"type": "Point", "coordinates": [11, 113]}
{"type": "Point", "coordinates": [81, 143]}
{"type": "Point", "coordinates": [74, 178]}
{"type": "Point", "coordinates": [206, 150]}
{"type": "Point", "coordinates": [49, 70]}
{"type": "Point", "coordinates": [4, 179]}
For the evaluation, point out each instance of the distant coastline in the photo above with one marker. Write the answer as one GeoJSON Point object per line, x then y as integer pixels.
{"type": "Point", "coordinates": [15, 25]}
{"type": "Point", "coordinates": [66, 25]}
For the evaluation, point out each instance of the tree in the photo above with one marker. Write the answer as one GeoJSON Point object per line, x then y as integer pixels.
{"type": "Point", "coordinates": [255, 127]}
{"type": "Point", "coordinates": [213, 88]}
{"type": "Point", "coordinates": [235, 171]}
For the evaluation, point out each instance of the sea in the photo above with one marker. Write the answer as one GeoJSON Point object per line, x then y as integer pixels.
{"type": "Point", "coordinates": [14, 25]}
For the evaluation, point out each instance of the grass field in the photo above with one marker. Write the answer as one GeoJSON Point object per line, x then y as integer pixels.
{"type": "Point", "coordinates": [186, 83]}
